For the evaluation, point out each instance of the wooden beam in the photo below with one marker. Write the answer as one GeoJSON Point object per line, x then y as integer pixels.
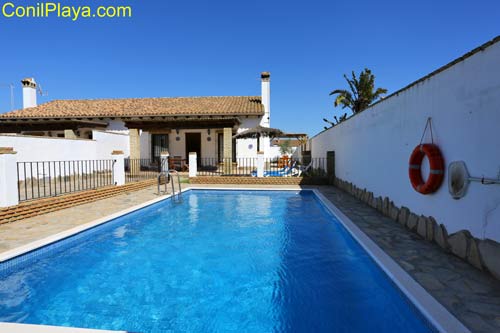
{"type": "Point", "coordinates": [181, 124]}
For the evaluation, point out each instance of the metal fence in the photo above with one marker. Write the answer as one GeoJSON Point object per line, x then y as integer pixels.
{"type": "Point", "coordinates": [216, 167]}
{"type": "Point", "coordinates": [43, 179]}
{"type": "Point", "coordinates": [273, 167]}
{"type": "Point", "coordinates": [137, 169]}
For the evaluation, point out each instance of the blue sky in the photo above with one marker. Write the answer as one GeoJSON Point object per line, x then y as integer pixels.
{"type": "Point", "coordinates": [212, 48]}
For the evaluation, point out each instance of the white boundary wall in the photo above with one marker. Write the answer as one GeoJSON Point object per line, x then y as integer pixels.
{"type": "Point", "coordinates": [38, 148]}
{"type": "Point", "coordinates": [372, 149]}
{"type": "Point", "coordinates": [106, 142]}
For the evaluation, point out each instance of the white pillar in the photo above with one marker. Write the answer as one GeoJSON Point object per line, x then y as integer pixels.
{"type": "Point", "coordinates": [164, 155]}
{"type": "Point", "coordinates": [193, 164]}
{"type": "Point", "coordinates": [9, 193]}
{"type": "Point", "coordinates": [260, 164]}
{"type": "Point", "coordinates": [118, 167]}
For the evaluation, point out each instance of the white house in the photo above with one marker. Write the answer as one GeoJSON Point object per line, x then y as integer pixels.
{"type": "Point", "coordinates": [204, 125]}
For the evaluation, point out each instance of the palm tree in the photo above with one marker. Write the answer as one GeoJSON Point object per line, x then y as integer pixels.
{"type": "Point", "coordinates": [362, 94]}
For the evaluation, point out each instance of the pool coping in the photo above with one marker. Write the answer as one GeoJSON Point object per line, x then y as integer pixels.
{"type": "Point", "coordinates": [430, 308]}
{"type": "Point", "coordinates": [433, 311]}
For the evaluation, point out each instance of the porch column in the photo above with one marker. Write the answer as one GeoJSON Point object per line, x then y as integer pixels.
{"type": "Point", "coordinates": [135, 151]}
{"type": "Point", "coordinates": [135, 143]}
{"type": "Point", "coordinates": [69, 134]}
{"type": "Point", "coordinates": [228, 150]}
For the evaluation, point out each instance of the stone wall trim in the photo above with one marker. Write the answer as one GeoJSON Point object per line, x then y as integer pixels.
{"type": "Point", "coordinates": [482, 254]}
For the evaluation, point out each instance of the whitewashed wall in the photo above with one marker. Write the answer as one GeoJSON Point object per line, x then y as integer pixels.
{"type": "Point", "coordinates": [34, 148]}
{"type": "Point", "coordinates": [373, 148]}
{"type": "Point", "coordinates": [145, 141]}
{"type": "Point", "coordinates": [208, 148]}
{"type": "Point", "coordinates": [178, 148]}
{"type": "Point", "coordinates": [39, 149]}
{"type": "Point", "coordinates": [108, 141]}
{"type": "Point", "coordinates": [248, 147]}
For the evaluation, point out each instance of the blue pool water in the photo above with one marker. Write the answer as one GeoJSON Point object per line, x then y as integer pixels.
{"type": "Point", "coordinates": [222, 261]}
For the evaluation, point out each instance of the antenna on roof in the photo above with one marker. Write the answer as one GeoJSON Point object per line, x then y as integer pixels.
{"type": "Point", "coordinates": [11, 86]}
{"type": "Point", "coordinates": [40, 91]}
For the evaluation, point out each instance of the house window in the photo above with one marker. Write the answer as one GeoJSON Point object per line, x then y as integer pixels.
{"type": "Point", "coordinates": [159, 143]}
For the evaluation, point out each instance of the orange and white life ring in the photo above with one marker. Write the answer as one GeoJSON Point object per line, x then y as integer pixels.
{"type": "Point", "coordinates": [436, 173]}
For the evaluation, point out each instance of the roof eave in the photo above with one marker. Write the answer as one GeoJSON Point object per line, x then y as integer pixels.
{"type": "Point", "coordinates": [151, 116]}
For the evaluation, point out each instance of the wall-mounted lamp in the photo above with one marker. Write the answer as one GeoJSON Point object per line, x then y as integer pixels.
{"type": "Point", "coordinates": [177, 130]}
{"type": "Point", "coordinates": [208, 131]}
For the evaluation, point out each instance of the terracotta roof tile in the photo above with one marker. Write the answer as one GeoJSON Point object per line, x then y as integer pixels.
{"type": "Point", "coordinates": [171, 106]}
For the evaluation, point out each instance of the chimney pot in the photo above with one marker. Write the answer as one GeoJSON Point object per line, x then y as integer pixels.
{"type": "Point", "coordinates": [29, 82]}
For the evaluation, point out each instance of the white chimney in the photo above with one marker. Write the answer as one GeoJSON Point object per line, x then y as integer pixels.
{"type": "Point", "coordinates": [266, 98]}
{"type": "Point", "coordinates": [29, 92]}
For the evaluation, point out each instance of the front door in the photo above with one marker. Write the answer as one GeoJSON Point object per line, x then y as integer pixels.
{"type": "Point", "coordinates": [193, 144]}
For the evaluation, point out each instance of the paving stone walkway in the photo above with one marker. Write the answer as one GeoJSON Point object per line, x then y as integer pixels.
{"type": "Point", "coordinates": [472, 296]}
{"type": "Point", "coordinates": [469, 294]}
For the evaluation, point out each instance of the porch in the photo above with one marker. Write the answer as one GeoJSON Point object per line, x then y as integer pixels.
{"type": "Point", "coordinates": [208, 137]}
{"type": "Point", "coordinates": [211, 138]}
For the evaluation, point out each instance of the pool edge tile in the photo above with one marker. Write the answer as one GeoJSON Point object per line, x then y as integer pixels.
{"type": "Point", "coordinates": [434, 311]}
{"type": "Point", "coordinates": [30, 328]}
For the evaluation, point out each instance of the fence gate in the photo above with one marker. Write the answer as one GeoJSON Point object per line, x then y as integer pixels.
{"type": "Point", "coordinates": [330, 163]}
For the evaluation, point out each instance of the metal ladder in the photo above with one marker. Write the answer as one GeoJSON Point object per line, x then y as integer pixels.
{"type": "Point", "coordinates": [170, 179]}
{"type": "Point", "coordinates": [176, 197]}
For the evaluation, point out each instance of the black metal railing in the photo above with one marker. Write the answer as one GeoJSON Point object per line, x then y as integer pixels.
{"type": "Point", "coordinates": [223, 167]}
{"type": "Point", "coordinates": [42, 179]}
{"type": "Point", "coordinates": [273, 167]}
{"type": "Point", "coordinates": [138, 169]}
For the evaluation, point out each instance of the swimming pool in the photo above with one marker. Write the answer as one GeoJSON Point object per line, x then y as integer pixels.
{"type": "Point", "coordinates": [249, 261]}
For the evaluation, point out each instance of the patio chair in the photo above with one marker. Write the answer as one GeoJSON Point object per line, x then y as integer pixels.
{"type": "Point", "coordinates": [284, 172]}
{"type": "Point", "coordinates": [176, 163]}
{"type": "Point", "coordinates": [304, 169]}
{"type": "Point", "coordinates": [283, 161]}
